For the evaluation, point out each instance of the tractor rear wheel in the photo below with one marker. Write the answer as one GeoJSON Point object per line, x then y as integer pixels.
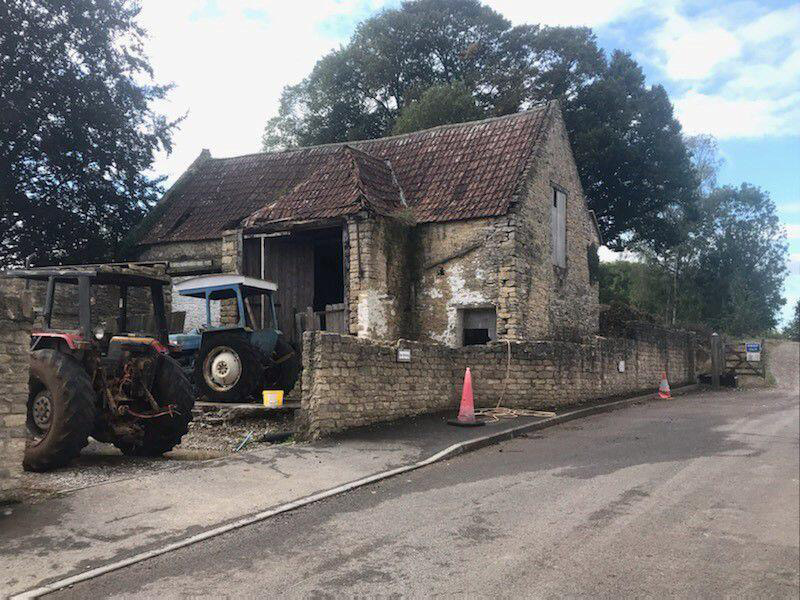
{"type": "Point", "coordinates": [228, 368]}
{"type": "Point", "coordinates": [61, 410]}
{"type": "Point", "coordinates": [163, 433]}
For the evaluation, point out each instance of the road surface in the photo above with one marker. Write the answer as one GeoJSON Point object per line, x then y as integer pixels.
{"type": "Point", "coordinates": [691, 498]}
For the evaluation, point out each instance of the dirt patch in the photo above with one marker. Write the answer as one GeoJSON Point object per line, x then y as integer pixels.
{"type": "Point", "coordinates": [212, 434]}
{"type": "Point", "coordinates": [223, 430]}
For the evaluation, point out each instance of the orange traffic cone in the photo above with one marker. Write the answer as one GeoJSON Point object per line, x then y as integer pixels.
{"type": "Point", "coordinates": [663, 389]}
{"type": "Point", "coordinates": [466, 413]}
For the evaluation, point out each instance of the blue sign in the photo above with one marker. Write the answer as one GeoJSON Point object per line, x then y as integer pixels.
{"type": "Point", "coordinates": [753, 347]}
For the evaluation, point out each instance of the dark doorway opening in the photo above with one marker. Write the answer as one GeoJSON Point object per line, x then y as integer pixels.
{"type": "Point", "coordinates": [328, 272]}
{"type": "Point", "coordinates": [308, 268]}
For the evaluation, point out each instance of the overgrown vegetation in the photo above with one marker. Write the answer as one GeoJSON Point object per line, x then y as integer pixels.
{"type": "Point", "coordinates": [77, 129]}
{"type": "Point", "coordinates": [792, 329]}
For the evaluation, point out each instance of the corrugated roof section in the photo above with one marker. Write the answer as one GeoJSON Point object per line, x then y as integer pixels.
{"type": "Point", "coordinates": [448, 173]}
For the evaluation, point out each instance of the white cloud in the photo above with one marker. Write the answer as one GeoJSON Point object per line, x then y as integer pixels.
{"type": "Point", "coordinates": [230, 61]}
{"type": "Point", "coordinates": [726, 117]}
{"type": "Point", "coordinates": [694, 49]}
{"type": "Point", "coordinates": [607, 255]}
{"type": "Point", "coordinates": [739, 73]}
{"type": "Point", "coordinates": [567, 12]}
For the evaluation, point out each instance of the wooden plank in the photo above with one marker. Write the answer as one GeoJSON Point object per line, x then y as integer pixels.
{"type": "Point", "coordinates": [335, 318]}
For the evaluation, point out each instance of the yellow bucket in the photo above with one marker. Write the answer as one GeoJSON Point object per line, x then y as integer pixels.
{"type": "Point", "coordinates": [273, 398]}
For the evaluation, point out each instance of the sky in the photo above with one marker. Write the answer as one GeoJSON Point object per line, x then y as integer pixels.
{"type": "Point", "coordinates": [732, 70]}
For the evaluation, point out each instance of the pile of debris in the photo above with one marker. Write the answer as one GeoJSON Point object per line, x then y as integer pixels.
{"type": "Point", "coordinates": [225, 430]}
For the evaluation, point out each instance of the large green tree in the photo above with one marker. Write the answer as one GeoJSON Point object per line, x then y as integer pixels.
{"type": "Point", "coordinates": [728, 272]}
{"type": "Point", "coordinates": [439, 105]}
{"type": "Point", "coordinates": [77, 129]}
{"type": "Point", "coordinates": [739, 261]}
{"type": "Point", "coordinates": [792, 329]}
{"type": "Point", "coordinates": [628, 145]}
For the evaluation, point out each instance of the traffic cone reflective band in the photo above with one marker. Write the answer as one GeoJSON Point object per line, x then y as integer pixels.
{"type": "Point", "coordinates": [466, 412]}
{"type": "Point", "coordinates": [663, 389]}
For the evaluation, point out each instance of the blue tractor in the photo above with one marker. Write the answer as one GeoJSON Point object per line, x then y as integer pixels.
{"type": "Point", "coordinates": [234, 363]}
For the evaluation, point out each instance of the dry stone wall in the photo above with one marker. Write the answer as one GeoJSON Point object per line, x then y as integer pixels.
{"type": "Point", "coordinates": [16, 316]}
{"type": "Point", "coordinates": [349, 382]}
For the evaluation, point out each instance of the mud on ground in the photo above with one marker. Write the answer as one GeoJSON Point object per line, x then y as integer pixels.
{"type": "Point", "coordinates": [212, 434]}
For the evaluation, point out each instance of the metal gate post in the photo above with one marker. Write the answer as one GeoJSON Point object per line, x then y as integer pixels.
{"type": "Point", "coordinates": [715, 356]}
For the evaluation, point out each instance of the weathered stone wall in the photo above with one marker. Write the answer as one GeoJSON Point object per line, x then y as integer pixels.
{"type": "Point", "coordinates": [16, 316]}
{"type": "Point", "coordinates": [461, 265]}
{"type": "Point", "coordinates": [378, 277]}
{"type": "Point", "coordinates": [556, 302]}
{"type": "Point", "coordinates": [105, 302]}
{"type": "Point", "coordinates": [348, 382]}
{"type": "Point", "coordinates": [181, 251]}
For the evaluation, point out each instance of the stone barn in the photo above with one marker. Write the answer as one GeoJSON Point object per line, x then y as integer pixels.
{"type": "Point", "coordinates": [459, 234]}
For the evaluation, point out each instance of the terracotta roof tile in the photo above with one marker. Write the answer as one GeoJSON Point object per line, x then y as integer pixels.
{"type": "Point", "coordinates": [448, 173]}
{"type": "Point", "coordinates": [348, 181]}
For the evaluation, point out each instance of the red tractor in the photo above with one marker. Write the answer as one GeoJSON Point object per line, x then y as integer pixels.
{"type": "Point", "coordinates": [108, 380]}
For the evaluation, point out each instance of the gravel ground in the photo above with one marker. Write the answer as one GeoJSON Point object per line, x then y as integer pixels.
{"type": "Point", "coordinates": [212, 434]}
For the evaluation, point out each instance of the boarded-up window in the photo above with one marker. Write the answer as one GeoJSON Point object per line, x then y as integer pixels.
{"type": "Point", "coordinates": [480, 326]}
{"type": "Point", "coordinates": [558, 228]}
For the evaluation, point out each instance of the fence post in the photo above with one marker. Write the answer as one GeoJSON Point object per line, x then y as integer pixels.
{"type": "Point", "coordinates": [715, 355]}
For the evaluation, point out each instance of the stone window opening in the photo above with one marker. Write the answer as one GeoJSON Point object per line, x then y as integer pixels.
{"type": "Point", "coordinates": [558, 227]}
{"type": "Point", "coordinates": [478, 326]}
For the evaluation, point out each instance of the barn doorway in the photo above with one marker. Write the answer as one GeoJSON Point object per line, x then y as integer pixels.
{"type": "Point", "coordinates": [308, 268]}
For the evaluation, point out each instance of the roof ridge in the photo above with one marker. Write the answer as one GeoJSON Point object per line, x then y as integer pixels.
{"type": "Point", "coordinates": [544, 104]}
{"type": "Point", "coordinates": [356, 176]}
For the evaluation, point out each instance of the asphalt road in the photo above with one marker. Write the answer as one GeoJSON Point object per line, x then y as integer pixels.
{"type": "Point", "coordinates": [691, 498]}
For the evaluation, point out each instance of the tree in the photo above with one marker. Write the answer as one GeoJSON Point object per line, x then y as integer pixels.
{"type": "Point", "coordinates": [631, 158]}
{"type": "Point", "coordinates": [737, 262]}
{"type": "Point", "coordinates": [704, 152]}
{"type": "Point", "coordinates": [792, 329]}
{"type": "Point", "coordinates": [439, 105]}
{"type": "Point", "coordinates": [628, 145]}
{"type": "Point", "coordinates": [77, 129]}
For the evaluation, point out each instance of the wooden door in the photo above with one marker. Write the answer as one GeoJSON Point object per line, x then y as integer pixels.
{"type": "Point", "coordinates": [290, 264]}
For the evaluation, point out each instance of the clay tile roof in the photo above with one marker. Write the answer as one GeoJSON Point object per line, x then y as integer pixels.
{"type": "Point", "coordinates": [448, 173]}
{"type": "Point", "coordinates": [348, 181]}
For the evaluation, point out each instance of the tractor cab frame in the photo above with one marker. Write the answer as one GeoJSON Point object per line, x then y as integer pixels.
{"type": "Point", "coordinates": [85, 276]}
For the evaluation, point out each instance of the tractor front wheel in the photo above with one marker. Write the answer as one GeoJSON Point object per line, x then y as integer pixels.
{"type": "Point", "coordinates": [61, 410]}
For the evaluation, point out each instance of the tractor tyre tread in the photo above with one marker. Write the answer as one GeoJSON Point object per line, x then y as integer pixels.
{"type": "Point", "coordinates": [73, 405]}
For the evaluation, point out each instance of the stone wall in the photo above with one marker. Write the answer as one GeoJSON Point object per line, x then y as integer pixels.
{"type": "Point", "coordinates": [462, 265]}
{"type": "Point", "coordinates": [183, 251]}
{"type": "Point", "coordinates": [555, 302]}
{"type": "Point", "coordinates": [16, 315]}
{"type": "Point", "coordinates": [105, 302]}
{"type": "Point", "coordinates": [378, 277]}
{"type": "Point", "coordinates": [348, 382]}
